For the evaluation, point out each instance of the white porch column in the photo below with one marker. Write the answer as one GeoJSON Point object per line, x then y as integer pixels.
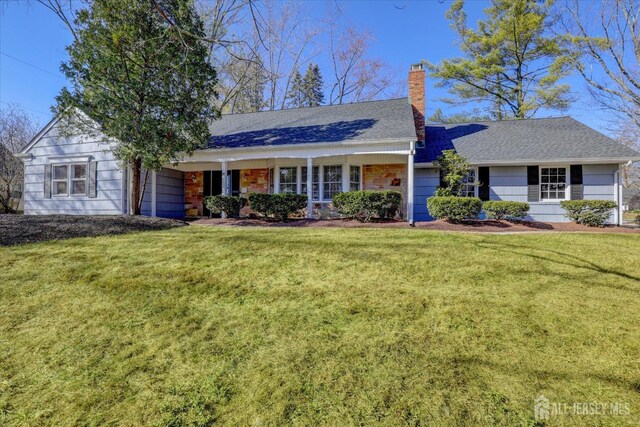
{"type": "Point", "coordinates": [225, 185]}
{"type": "Point", "coordinates": [299, 179]}
{"type": "Point", "coordinates": [154, 194]}
{"type": "Point", "coordinates": [410, 173]}
{"type": "Point", "coordinates": [346, 177]}
{"type": "Point", "coordinates": [309, 187]}
{"type": "Point", "coordinates": [276, 180]}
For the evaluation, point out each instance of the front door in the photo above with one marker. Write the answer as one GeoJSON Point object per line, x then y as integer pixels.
{"type": "Point", "coordinates": [212, 187]}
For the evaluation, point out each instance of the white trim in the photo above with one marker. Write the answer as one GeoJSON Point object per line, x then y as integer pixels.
{"type": "Point", "coordinates": [123, 190]}
{"type": "Point", "coordinates": [70, 158]}
{"type": "Point", "coordinates": [346, 177]}
{"type": "Point", "coordinates": [410, 184]}
{"type": "Point", "coordinates": [299, 179]}
{"type": "Point", "coordinates": [305, 146]}
{"type": "Point", "coordinates": [154, 198]}
{"type": "Point", "coordinates": [532, 162]}
{"type": "Point", "coordinates": [276, 179]}
{"type": "Point", "coordinates": [309, 187]}
{"type": "Point", "coordinates": [224, 179]}
{"type": "Point", "coordinates": [39, 135]}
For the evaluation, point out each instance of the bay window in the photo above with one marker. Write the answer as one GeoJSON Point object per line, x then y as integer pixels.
{"type": "Point", "coordinates": [288, 180]}
{"type": "Point", "coordinates": [553, 183]}
{"type": "Point", "coordinates": [315, 180]}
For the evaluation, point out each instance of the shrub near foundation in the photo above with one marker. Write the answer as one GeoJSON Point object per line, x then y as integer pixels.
{"type": "Point", "coordinates": [280, 206]}
{"type": "Point", "coordinates": [500, 209]}
{"type": "Point", "coordinates": [230, 205]}
{"type": "Point", "coordinates": [454, 209]}
{"type": "Point", "coordinates": [366, 205]}
{"type": "Point", "coordinates": [592, 213]}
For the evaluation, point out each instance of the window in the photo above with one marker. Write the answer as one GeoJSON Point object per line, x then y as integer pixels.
{"type": "Point", "coordinates": [271, 181]}
{"type": "Point", "coordinates": [553, 183]}
{"type": "Point", "coordinates": [468, 188]}
{"type": "Point", "coordinates": [354, 178]}
{"type": "Point", "coordinates": [78, 180]}
{"type": "Point", "coordinates": [315, 179]}
{"type": "Point", "coordinates": [332, 181]}
{"type": "Point", "coordinates": [60, 180]}
{"type": "Point", "coordinates": [288, 180]}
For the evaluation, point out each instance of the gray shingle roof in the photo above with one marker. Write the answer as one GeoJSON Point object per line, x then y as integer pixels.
{"type": "Point", "coordinates": [549, 139]}
{"type": "Point", "coordinates": [364, 121]}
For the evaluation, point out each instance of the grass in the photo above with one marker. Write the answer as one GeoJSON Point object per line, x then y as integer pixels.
{"type": "Point", "coordinates": [254, 326]}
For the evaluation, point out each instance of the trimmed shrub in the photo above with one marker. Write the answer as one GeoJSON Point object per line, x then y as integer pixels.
{"type": "Point", "coordinates": [367, 204]}
{"type": "Point", "coordinates": [230, 205]}
{"type": "Point", "coordinates": [500, 209]}
{"type": "Point", "coordinates": [454, 209]}
{"type": "Point", "coordinates": [280, 206]}
{"type": "Point", "coordinates": [592, 213]}
{"type": "Point", "coordinates": [637, 220]}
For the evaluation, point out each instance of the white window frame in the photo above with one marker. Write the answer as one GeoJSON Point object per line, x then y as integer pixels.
{"type": "Point", "coordinates": [475, 182]}
{"type": "Point", "coordinates": [303, 182]}
{"type": "Point", "coordinates": [359, 177]}
{"type": "Point", "coordinates": [567, 184]}
{"type": "Point", "coordinates": [54, 187]}
{"type": "Point", "coordinates": [323, 196]}
{"type": "Point", "coordinates": [295, 183]}
{"type": "Point", "coordinates": [72, 179]}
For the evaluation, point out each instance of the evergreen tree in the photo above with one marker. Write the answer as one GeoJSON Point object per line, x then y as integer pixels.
{"type": "Point", "coordinates": [296, 94]}
{"type": "Point", "coordinates": [511, 61]}
{"type": "Point", "coordinates": [140, 70]}
{"type": "Point", "coordinates": [312, 87]}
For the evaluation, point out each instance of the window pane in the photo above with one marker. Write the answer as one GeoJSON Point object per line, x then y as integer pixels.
{"type": "Point", "coordinates": [354, 179]}
{"type": "Point", "coordinates": [78, 171]}
{"type": "Point", "coordinates": [60, 187]}
{"type": "Point", "coordinates": [315, 180]}
{"type": "Point", "coordinates": [78, 186]}
{"type": "Point", "coordinates": [553, 183]}
{"type": "Point", "coordinates": [332, 181]}
{"type": "Point", "coordinates": [60, 172]}
{"type": "Point", "coordinates": [288, 180]}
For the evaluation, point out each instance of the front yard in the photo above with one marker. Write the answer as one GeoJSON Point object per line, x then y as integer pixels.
{"type": "Point", "coordinates": [257, 326]}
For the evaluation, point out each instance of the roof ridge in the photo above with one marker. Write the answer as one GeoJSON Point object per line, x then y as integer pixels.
{"type": "Point", "coordinates": [317, 106]}
{"type": "Point", "coordinates": [502, 120]}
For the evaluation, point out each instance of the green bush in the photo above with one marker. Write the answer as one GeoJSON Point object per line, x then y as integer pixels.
{"type": "Point", "coordinates": [280, 206]}
{"type": "Point", "coordinates": [500, 209]}
{"type": "Point", "coordinates": [592, 213]}
{"type": "Point", "coordinates": [637, 219]}
{"type": "Point", "coordinates": [230, 205]}
{"type": "Point", "coordinates": [365, 205]}
{"type": "Point", "coordinates": [454, 209]}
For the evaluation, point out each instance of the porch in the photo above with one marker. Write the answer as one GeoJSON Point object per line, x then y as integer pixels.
{"type": "Point", "coordinates": [320, 178]}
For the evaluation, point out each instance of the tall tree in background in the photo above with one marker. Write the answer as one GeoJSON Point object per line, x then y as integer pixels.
{"type": "Point", "coordinates": [16, 130]}
{"type": "Point", "coordinates": [312, 86]}
{"type": "Point", "coordinates": [143, 78]}
{"type": "Point", "coordinates": [511, 61]}
{"type": "Point", "coordinates": [296, 91]}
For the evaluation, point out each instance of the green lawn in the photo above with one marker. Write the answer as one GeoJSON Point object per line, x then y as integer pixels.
{"type": "Point", "coordinates": [318, 326]}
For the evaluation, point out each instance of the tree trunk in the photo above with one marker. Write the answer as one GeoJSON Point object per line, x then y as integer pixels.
{"type": "Point", "coordinates": [136, 200]}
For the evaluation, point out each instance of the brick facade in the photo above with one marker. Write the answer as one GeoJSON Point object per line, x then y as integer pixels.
{"type": "Point", "coordinates": [386, 177]}
{"type": "Point", "coordinates": [193, 193]}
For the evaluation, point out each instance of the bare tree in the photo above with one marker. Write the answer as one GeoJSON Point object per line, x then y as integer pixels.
{"type": "Point", "coordinates": [356, 75]}
{"type": "Point", "coordinates": [628, 134]}
{"type": "Point", "coordinates": [605, 37]}
{"type": "Point", "coordinates": [16, 130]}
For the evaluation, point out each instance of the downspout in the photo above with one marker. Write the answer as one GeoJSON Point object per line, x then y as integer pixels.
{"type": "Point", "coordinates": [410, 178]}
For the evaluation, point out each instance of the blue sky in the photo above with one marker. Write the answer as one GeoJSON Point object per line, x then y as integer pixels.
{"type": "Point", "coordinates": [405, 32]}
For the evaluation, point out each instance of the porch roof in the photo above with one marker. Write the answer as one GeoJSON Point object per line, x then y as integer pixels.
{"type": "Point", "coordinates": [358, 122]}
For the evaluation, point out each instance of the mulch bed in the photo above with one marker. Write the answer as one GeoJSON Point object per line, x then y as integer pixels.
{"type": "Point", "coordinates": [478, 226]}
{"type": "Point", "coordinates": [18, 229]}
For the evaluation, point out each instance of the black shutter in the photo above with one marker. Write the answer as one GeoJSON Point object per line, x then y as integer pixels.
{"type": "Point", "coordinates": [235, 182]}
{"type": "Point", "coordinates": [93, 176]}
{"type": "Point", "coordinates": [577, 189]}
{"type": "Point", "coordinates": [533, 183]}
{"type": "Point", "coordinates": [443, 183]}
{"type": "Point", "coordinates": [483, 188]}
{"type": "Point", "coordinates": [47, 181]}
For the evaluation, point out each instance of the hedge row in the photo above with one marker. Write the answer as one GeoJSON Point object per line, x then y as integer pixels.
{"type": "Point", "coordinates": [230, 205]}
{"type": "Point", "coordinates": [365, 205]}
{"type": "Point", "coordinates": [279, 206]}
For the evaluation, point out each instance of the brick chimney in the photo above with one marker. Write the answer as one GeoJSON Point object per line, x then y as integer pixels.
{"type": "Point", "coordinates": [416, 97]}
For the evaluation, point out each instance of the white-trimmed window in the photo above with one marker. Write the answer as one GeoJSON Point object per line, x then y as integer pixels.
{"type": "Point", "coordinates": [354, 178]}
{"type": "Point", "coordinates": [469, 186]}
{"type": "Point", "coordinates": [78, 179]}
{"type": "Point", "coordinates": [60, 180]}
{"type": "Point", "coordinates": [315, 180]}
{"type": "Point", "coordinates": [288, 180]}
{"type": "Point", "coordinates": [332, 181]}
{"type": "Point", "coordinates": [553, 183]}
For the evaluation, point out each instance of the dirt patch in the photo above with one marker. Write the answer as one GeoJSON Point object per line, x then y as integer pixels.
{"type": "Point", "coordinates": [18, 229]}
{"type": "Point", "coordinates": [479, 226]}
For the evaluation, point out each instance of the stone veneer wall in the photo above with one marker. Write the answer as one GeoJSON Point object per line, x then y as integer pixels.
{"type": "Point", "coordinates": [254, 181]}
{"type": "Point", "coordinates": [193, 193]}
{"type": "Point", "coordinates": [386, 177]}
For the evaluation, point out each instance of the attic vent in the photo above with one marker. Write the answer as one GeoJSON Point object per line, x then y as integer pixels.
{"type": "Point", "coordinates": [419, 66]}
